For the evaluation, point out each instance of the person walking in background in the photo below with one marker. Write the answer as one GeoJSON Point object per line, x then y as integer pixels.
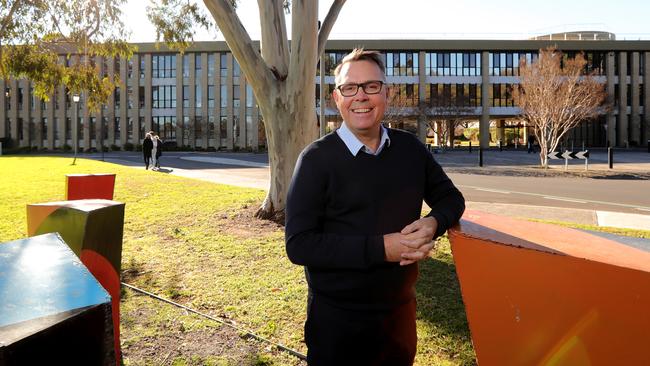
{"type": "Point", "coordinates": [147, 147]}
{"type": "Point", "coordinates": [155, 153]}
{"type": "Point", "coordinates": [159, 149]}
{"type": "Point", "coordinates": [353, 219]}
{"type": "Point", "coordinates": [531, 143]}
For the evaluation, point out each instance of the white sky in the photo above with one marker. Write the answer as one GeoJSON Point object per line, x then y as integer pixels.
{"type": "Point", "coordinates": [455, 19]}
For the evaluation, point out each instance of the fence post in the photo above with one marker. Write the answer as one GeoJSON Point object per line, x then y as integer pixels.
{"type": "Point", "coordinates": [480, 156]}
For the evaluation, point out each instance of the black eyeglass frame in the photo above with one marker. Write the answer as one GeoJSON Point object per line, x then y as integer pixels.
{"type": "Point", "coordinates": [362, 86]}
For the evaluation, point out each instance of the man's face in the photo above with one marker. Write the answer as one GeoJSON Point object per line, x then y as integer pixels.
{"type": "Point", "coordinates": [362, 112]}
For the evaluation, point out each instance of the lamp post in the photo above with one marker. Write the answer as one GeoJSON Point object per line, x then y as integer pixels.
{"type": "Point", "coordinates": [75, 124]}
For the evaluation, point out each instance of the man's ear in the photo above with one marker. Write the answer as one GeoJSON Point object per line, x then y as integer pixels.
{"type": "Point", "coordinates": [335, 96]}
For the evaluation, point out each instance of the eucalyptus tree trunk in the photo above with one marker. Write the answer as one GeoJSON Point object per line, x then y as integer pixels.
{"type": "Point", "coordinates": [282, 79]}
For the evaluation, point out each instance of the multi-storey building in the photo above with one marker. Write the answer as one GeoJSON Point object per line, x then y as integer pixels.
{"type": "Point", "coordinates": [200, 99]}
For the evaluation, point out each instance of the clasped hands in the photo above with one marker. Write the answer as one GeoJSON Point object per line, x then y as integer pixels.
{"type": "Point", "coordinates": [411, 244]}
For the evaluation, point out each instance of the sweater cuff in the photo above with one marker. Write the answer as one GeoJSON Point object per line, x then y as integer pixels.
{"type": "Point", "coordinates": [442, 224]}
{"type": "Point", "coordinates": [375, 251]}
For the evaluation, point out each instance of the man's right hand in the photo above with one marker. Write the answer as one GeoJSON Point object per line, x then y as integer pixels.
{"type": "Point", "coordinates": [393, 247]}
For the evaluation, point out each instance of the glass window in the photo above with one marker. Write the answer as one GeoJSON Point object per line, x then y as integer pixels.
{"type": "Point", "coordinates": [198, 96]}
{"type": "Point", "coordinates": [211, 63]}
{"type": "Point", "coordinates": [197, 65]}
{"type": "Point", "coordinates": [224, 65]}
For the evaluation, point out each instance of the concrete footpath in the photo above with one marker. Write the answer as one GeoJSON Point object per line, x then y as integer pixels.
{"type": "Point", "coordinates": [251, 170]}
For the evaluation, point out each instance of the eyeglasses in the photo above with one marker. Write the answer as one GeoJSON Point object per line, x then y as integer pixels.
{"type": "Point", "coordinates": [369, 87]}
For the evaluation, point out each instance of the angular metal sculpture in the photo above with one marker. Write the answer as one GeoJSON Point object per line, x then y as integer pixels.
{"type": "Point", "coordinates": [53, 311]}
{"type": "Point", "coordinates": [93, 229]}
{"type": "Point", "coordinates": [89, 186]}
{"type": "Point", "coordinates": [538, 294]}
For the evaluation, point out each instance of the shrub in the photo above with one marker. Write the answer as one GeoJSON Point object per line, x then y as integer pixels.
{"type": "Point", "coordinates": [128, 146]}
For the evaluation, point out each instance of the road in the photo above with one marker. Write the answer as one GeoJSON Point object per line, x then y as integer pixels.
{"type": "Point", "coordinates": [630, 196]}
{"type": "Point", "coordinates": [617, 195]}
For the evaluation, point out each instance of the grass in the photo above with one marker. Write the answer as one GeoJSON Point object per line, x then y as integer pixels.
{"type": "Point", "coordinates": [196, 243]}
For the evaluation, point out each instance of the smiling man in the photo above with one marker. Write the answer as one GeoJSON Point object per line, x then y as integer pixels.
{"type": "Point", "coordinates": [353, 221]}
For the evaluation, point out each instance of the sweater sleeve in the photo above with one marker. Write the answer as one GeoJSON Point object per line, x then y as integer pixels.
{"type": "Point", "coordinates": [306, 243]}
{"type": "Point", "coordinates": [446, 202]}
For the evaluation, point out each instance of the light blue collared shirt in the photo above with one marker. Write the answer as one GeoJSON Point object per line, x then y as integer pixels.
{"type": "Point", "coordinates": [354, 145]}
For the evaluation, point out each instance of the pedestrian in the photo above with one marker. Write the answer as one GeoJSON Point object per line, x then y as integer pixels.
{"type": "Point", "coordinates": [147, 147]}
{"type": "Point", "coordinates": [353, 220]}
{"type": "Point", "coordinates": [531, 143]}
{"type": "Point", "coordinates": [156, 151]}
{"type": "Point", "coordinates": [159, 150]}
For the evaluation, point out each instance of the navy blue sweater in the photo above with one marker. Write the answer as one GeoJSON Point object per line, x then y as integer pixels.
{"type": "Point", "coordinates": [339, 207]}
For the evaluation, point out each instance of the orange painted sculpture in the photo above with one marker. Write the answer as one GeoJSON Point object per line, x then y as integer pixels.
{"type": "Point", "coordinates": [93, 229]}
{"type": "Point", "coordinates": [538, 294]}
{"type": "Point", "coordinates": [89, 186]}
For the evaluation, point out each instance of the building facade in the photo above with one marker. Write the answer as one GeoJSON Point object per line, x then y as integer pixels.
{"type": "Point", "coordinates": [201, 99]}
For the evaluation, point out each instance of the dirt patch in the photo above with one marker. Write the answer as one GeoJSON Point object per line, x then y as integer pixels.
{"type": "Point", "coordinates": [220, 344]}
{"type": "Point", "coordinates": [242, 222]}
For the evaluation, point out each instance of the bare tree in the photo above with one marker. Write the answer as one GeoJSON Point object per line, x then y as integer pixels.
{"type": "Point", "coordinates": [282, 77]}
{"type": "Point", "coordinates": [445, 113]}
{"type": "Point", "coordinates": [555, 94]}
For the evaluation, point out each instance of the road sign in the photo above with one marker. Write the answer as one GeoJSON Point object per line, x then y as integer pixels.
{"type": "Point", "coordinates": [554, 155]}
{"type": "Point", "coordinates": [569, 155]}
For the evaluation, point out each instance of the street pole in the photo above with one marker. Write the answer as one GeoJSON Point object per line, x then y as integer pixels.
{"type": "Point", "coordinates": [101, 136]}
{"type": "Point", "coordinates": [75, 124]}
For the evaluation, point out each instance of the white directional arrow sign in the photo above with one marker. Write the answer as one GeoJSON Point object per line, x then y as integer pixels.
{"type": "Point", "coordinates": [567, 155]}
{"type": "Point", "coordinates": [554, 155]}
{"type": "Point", "coordinates": [582, 154]}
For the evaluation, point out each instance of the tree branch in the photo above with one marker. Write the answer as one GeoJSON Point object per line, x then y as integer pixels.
{"type": "Point", "coordinates": [327, 25]}
{"type": "Point", "coordinates": [239, 42]}
{"type": "Point", "coordinates": [274, 44]}
{"type": "Point", "coordinates": [303, 42]}
{"type": "Point", "coordinates": [9, 16]}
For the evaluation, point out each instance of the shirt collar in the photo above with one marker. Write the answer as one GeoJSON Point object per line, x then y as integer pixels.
{"type": "Point", "coordinates": [354, 145]}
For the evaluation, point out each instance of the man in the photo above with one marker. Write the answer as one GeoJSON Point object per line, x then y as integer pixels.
{"type": "Point", "coordinates": [353, 220]}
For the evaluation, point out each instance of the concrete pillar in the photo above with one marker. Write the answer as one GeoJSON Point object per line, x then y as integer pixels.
{"type": "Point", "coordinates": [27, 137]}
{"type": "Point", "coordinates": [484, 123]}
{"type": "Point", "coordinates": [255, 136]}
{"type": "Point", "coordinates": [623, 136]}
{"type": "Point", "coordinates": [229, 86]}
{"type": "Point", "coordinates": [37, 116]}
{"type": "Point", "coordinates": [204, 100]}
{"type": "Point", "coordinates": [110, 112]}
{"type": "Point", "coordinates": [217, 101]}
{"type": "Point", "coordinates": [242, 112]}
{"type": "Point", "coordinates": [501, 131]}
{"type": "Point", "coordinates": [52, 126]}
{"type": "Point", "coordinates": [13, 112]}
{"type": "Point", "coordinates": [147, 92]}
{"type": "Point", "coordinates": [611, 117]}
{"type": "Point", "coordinates": [192, 90]}
{"type": "Point", "coordinates": [422, 121]}
{"type": "Point", "coordinates": [179, 99]}
{"type": "Point", "coordinates": [124, 101]}
{"type": "Point", "coordinates": [646, 99]}
{"type": "Point", "coordinates": [62, 112]}
{"type": "Point", "coordinates": [135, 111]}
{"type": "Point", "coordinates": [635, 117]}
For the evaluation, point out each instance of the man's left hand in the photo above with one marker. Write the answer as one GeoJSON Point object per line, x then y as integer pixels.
{"type": "Point", "coordinates": [418, 235]}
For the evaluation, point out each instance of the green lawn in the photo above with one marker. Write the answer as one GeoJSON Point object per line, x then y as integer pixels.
{"type": "Point", "coordinates": [196, 243]}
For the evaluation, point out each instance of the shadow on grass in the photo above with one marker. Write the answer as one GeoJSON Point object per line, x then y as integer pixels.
{"type": "Point", "coordinates": [440, 305]}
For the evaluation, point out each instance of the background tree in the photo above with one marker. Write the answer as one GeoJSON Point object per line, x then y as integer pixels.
{"type": "Point", "coordinates": [445, 113]}
{"type": "Point", "coordinates": [34, 32]}
{"type": "Point", "coordinates": [555, 94]}
{"type": "Point", "coordinates": [281, 76]}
